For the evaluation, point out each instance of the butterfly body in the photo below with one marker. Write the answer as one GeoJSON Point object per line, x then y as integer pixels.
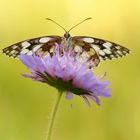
{"type": "Point", "coordinates": [67, 41]}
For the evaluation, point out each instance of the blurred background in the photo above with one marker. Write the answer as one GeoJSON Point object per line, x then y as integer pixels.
{"type": "Point", "coordinates": [25, 106]}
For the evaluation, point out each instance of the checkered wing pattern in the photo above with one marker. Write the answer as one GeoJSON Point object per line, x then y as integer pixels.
{"type": "Point", "coordinates": [103, 49]}
{"type": "Point", "coordinates": [40, 46]}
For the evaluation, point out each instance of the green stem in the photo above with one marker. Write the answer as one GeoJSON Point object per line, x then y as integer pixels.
{"type": "Point", "coordinates": [52, 120]}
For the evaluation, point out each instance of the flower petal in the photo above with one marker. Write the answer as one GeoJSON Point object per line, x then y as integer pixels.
{"type": "Point", "coordinates": [96, 99]}
{"type": "Point", "coordinates": [26, 75]}
{"type": "Point", "coordinates": [69, 95]}
{"type": "Point", "coordinates": [86, 100]}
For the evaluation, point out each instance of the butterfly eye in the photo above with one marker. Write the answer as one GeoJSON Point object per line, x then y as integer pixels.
{"type": "Point", "coordinates": [66, 35]}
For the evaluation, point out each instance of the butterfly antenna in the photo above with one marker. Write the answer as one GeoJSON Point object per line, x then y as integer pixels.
{"type": "Point", "coordinates": [57, 24]}
{"type": "Point", "coordinates": [78, 24]}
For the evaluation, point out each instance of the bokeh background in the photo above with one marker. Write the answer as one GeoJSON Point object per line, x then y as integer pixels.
{"type": "Point", "coordinates": [25, 106]}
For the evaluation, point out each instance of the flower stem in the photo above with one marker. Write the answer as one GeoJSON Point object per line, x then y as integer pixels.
{"type": "Point", "coordinates": [53, 115]}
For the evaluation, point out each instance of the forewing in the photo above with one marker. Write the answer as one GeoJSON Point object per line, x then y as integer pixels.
{"type": "Point", "coordinates": [103, 48]}
{"type": "Point", "coordinates": [40, 46]}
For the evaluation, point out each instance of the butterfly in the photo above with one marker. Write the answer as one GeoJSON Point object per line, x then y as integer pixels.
{"type": "Point", "coordinates": [94, 49]}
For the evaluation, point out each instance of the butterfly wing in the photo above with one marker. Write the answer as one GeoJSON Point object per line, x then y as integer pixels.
{"type": "Point", "coordinates": [103, 49]}
{"type": "Point", "coordinates": [40, 45]}
{"type": "Point", "coordinates": [85, 50]}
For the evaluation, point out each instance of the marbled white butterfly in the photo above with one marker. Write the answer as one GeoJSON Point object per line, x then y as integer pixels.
{"type": "Point", "coordinates": [89, 47]}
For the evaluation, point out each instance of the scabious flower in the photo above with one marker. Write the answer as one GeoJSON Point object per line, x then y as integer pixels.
{"type": "Point", "coordinates": [65, 71]}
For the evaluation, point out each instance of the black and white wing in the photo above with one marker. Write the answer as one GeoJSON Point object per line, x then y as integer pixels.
{"type": "Point", "coordinates": [103, 48]}
{"type": "Point", "coordinates": [40, 45]}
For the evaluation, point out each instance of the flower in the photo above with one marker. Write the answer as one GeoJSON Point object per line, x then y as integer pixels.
{"type": "Point", "coordinates": [65, 71]}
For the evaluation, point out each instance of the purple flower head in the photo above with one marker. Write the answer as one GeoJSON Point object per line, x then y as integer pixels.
{"type": "Point", "coordinates": [65, 71]}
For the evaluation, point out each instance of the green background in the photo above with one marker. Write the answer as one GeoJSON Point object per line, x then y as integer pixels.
{"type": "Point", "coordinates": [25, 105]}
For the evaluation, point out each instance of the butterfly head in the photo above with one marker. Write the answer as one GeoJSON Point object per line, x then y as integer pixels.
{"type": "Point", "coordinates": [67, 35]}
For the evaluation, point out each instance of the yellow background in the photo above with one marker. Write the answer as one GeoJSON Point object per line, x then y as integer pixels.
{"type": "Point", "coordinates": [25, 105]}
